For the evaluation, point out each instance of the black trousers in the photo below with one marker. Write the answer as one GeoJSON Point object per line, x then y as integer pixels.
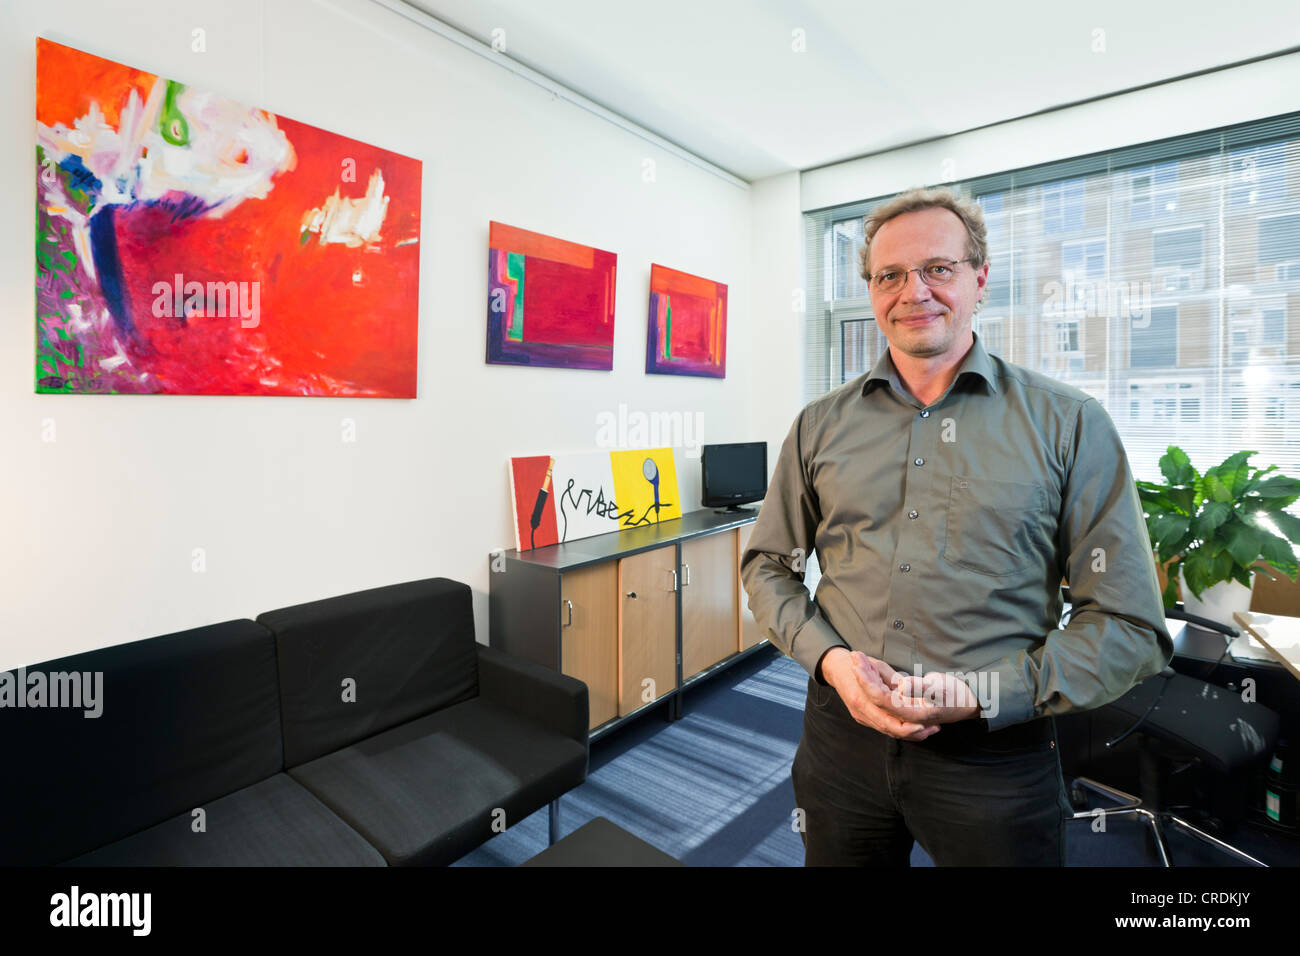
{"type": "Point", "coordinates": [969, 799]}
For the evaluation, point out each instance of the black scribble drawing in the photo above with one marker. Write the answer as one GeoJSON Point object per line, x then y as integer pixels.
{"type": "Point", "coordinates": [600, 505]}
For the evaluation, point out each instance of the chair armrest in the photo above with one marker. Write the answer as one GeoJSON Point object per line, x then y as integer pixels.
{"type": "Point", "coordinates": [536, 693]}
{"type": "Point", "coordinates": [1177, 613]}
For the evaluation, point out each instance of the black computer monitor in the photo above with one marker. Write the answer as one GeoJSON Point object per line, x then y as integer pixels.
{"type": "Point", "coordinates": [734, 474]}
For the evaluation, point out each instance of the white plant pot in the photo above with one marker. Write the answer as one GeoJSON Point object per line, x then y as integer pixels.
{"type": "Point", "coordinates": [1217, 602]}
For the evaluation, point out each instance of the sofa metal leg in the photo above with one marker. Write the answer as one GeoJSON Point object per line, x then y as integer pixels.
{"type": "Point", "coordinates": [554, 821]}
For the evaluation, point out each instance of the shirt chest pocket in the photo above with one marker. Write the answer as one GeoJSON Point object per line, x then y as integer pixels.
{"type": "Point", "coordinates": [992, 524]}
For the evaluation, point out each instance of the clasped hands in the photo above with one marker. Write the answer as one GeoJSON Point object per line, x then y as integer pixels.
{"type": "Point", "coordinates": [900, 705]}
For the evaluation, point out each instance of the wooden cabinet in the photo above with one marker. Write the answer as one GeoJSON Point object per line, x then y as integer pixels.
{"type": "Point", "coordinates": [647, 627]}
{"type": "Point", "coordinates": [590, 600]}
{"type": "Point", "coordinates": [637, 615]}
{"type": "Point", "coordinates": [749, 635]}
{"type": "Point", "coordinates": [710, 608]}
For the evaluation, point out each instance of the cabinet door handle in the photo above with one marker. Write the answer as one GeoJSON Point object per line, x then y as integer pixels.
{"type": "Point", "coordinates": [569, 622]}
{"type": "Point", "coordinates": [631, 594]}
{"type": "Point", "coordinates": [673, 572]}
{"type": "Point", "coordinates": [687, 581]}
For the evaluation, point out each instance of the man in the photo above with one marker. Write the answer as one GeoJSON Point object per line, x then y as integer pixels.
{"type": "Point", "coordinates": [948, 493]}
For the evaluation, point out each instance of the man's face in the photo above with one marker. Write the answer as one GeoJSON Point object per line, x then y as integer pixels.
{"type": "Point", "coordinates": [918, 319]}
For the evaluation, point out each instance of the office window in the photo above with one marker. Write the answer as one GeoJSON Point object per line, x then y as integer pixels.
{"type": "Point", "coordinates": [1279, 238]}
{"type": "Point", "coordinates": [1083, 261]}
{"type": "Point", "coordinates": [1062, 351]}
{"type": "Point", "coordinates": [1006, 283]}
{"type": "Point", "coordinates": [997, 294]}
{"type": "Point", "coordinates": [1067, 335]}
{"type": "Point", "coordinates": [1155, 345]}
{"type": "Point", "coordinates": [1279, 247]}
{"type": "Point", "coordinates": [1257, 333]}
{"type": "Point", "coordinates": [1153, 191]}
{"type": "Point", "coordinates": [1257, 175]}
{"type": "Point", "coordinates": [1273, 326]}
{"type": "Point", "coordinates": [1171, 402]}
{"type": "Point", "coordinates": [995, 219]}
{"type": "Point", "coordinates": [991, 333]}
{"type": "Point", "coordinates": [847, 237]}
{"type": "Point", "coordinates": [1178, 258]}
{"type": "Point", "coordinates": [1178, 248]}
{"type": "Point", "coordinates": [1159, 278]}
{"type": "Point", "coordinates": [856, 348]}
{"type": "Point", "coordinates": [1062, 206]}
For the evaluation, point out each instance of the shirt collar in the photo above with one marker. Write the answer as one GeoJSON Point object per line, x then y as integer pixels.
{"type": "Point", "coordinates": [976, 362]}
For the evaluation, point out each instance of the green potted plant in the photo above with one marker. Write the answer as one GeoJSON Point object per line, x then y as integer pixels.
{"type": "Point", "coordinates": [1212, 528]}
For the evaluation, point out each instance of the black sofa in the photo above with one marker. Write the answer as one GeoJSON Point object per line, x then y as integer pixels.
{"type": "Point", "coordinates": [361, 730]}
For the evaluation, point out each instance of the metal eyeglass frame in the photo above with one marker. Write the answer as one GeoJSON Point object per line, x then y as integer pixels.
{"type": "Point", "coordinates": [921, 271]}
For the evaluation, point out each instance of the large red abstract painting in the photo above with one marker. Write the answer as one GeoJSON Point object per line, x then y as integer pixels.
{"type": "Point", "coordinates": [550, 301]}
{"type": "Point", "coordinates": [187, 244]}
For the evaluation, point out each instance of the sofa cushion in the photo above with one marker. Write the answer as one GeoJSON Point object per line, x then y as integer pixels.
{"type": "Point", "coordinates": [424, 793]}
{"type": "Point", "coordinates": [408, 650]}
{"type": "Point", "coordinates": [186, 718]}
{"type": "Point", "coordinates": [273, 823]}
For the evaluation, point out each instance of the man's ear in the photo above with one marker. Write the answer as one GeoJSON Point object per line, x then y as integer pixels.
{"type": "Point", "coordinates": [982, 280]}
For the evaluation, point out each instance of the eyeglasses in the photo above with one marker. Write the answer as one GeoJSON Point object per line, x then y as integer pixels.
{"type": "Point", "coordinates": [933, 273]}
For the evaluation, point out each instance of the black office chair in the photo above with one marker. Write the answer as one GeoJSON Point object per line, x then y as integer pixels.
{"type": "Point", "coordinates": [1192, 722]}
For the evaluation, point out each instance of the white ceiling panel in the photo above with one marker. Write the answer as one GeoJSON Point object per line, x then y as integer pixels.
{"type": "Point", "coordinates": [724, 80]}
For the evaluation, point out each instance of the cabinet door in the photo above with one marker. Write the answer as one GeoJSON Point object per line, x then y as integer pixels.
{"type": "Point", "coordinates": [749, 635]}
{"type": "Point", "coordinates": [647, 627]}
{"type": "Point", "coordinates": [710, 621]}
{"type": "Point", "coordinates": [589, 635]}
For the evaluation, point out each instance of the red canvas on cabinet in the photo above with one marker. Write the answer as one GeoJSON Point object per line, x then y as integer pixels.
{"type": "Point", "coordinates": [188, 244]}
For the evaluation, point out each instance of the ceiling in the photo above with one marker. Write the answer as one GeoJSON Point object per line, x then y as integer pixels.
{"type": "Point", "coordinates": [721, 79]}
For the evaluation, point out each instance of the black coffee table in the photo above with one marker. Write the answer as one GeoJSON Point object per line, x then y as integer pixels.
{"type": "Point", "coordinates": [601, 843]}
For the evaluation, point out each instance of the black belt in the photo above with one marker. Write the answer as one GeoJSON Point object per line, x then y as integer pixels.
{"type": "Point", "coordinates": [964, 734]}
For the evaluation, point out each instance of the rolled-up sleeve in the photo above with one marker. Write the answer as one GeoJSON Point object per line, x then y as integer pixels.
{"type": "Point", "coordinates": [771, 567]}
{"type": "Point", "coordinates": [1116, 636]}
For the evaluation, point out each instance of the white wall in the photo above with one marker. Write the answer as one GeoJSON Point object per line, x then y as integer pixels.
{"type": "Point", "coordinates": [1237, 95]}
{"type": "Point", "coordinates": [780, 319]}
{"type": "Point", "coordinates": [778, 326]}
{"type": "Point", "coordinates": [99, 525]}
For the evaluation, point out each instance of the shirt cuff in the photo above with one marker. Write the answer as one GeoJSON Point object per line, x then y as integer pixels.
{"type": "Point", "coordinates": [1008, 699]}
{"type": "Point", "coordinates": [813, 640]}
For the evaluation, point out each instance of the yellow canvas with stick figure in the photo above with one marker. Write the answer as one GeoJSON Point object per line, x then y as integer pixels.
{"type": "Point", "coordinates": [645, 485]}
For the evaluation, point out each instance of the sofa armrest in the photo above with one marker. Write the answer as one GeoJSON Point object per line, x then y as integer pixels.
{"type": "Point", "coordinates": [536, 693]}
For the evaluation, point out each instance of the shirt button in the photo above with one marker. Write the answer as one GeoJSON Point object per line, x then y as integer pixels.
{"type": "Point", "coordinates": [905, 567]}
{"type": "Point", "coordinates": [898, 625]}
{"type": "Point", "coordinates": [919, 461]}
{"type": "Point", "coordinates": [913, 514]}
{"type": "Point", "coordinates": [925, 413]}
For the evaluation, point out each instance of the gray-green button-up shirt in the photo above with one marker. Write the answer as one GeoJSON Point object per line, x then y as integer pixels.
{"type": "Point", "coordinates": [943, 534]}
